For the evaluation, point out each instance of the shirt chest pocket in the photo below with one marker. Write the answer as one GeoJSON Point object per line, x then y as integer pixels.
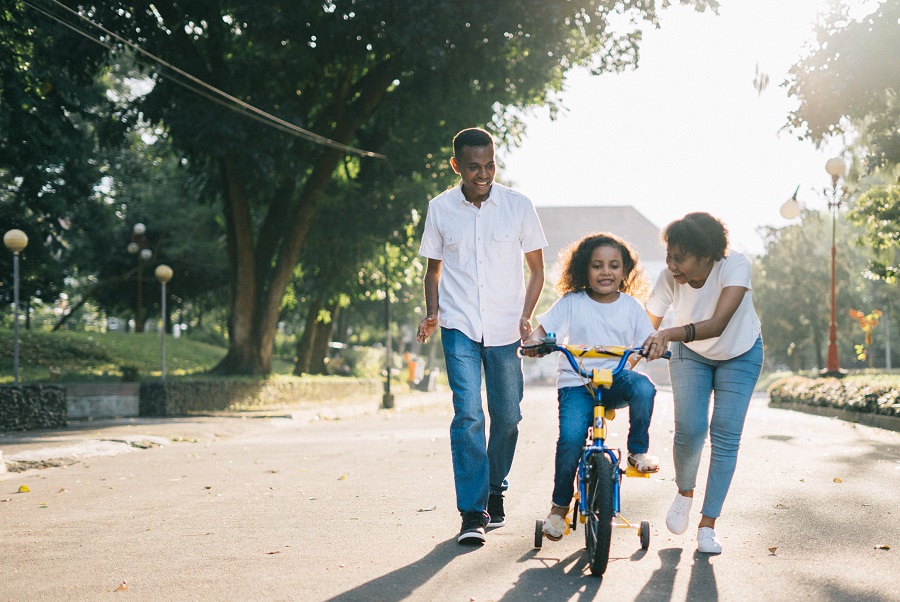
{"type": "Point", "coordinates": [455, 252]}
{"type": "Point", "coordinates": [505, 246]}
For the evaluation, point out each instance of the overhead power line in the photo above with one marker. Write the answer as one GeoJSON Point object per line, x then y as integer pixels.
{"type": "Point", "coordinates": [211, 92]}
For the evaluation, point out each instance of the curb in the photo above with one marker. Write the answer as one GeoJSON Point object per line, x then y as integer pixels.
{"type": "Point", "coordinates": [890, 423]}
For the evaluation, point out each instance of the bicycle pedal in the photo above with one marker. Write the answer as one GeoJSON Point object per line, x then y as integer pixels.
{"type": "Point", "coordinates": [631, 471]}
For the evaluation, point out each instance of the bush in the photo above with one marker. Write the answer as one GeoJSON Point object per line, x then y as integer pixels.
{"type": "Point", "coordinates": [360, 362]}
{"type": "Point", "coordinates": [852, 394]}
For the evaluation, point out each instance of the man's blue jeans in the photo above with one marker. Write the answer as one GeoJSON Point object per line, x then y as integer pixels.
{"type": "Point", "coordinates": [730, 382]}
{"type": "Point", "coordinates": [480, 466]}
{"type": "Point", "coordinates": [576, 413]}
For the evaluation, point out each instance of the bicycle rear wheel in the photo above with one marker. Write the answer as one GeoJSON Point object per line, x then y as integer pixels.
{"type": "Point", "coordinates": [598, 528]}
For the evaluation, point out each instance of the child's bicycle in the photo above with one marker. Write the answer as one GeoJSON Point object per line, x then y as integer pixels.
{"type": "Point", "coordinates": [597, 497]}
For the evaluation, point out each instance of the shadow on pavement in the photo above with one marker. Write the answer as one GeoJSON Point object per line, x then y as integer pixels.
{"type": "Point", "coordinates": [401, 583]}
{"type": "Point", "coordinates": [702, 585]}
{"type": "Point", "coordinates": [661, 582]}
{"type": "Point", "coordinates": [566, 579]}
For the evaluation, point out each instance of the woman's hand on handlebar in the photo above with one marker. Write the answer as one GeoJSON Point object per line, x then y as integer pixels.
{"type": "Point", "coordinates": [656, 345]}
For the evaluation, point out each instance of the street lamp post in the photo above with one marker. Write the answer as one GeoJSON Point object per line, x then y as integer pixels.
{"type": "Point", "coordinates": [15, 241]}
{"type": "Point", "coordinates": [138, 246]}
{"type": "Point", "coordinates": [387, 400]}
{"type": "Point", "coordinates": [835, 168]}
{"type": "Point", "coordinates": [163, 274]}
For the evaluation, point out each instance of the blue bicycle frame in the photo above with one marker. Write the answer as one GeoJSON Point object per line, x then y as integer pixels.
{"type": "Point", "coordinates": [595, 382]}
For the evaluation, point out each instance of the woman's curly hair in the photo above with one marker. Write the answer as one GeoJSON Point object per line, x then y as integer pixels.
{"type": "Point", "coordinates": [698, 234]}
{"type": "Point", "coordinates": [578, 258]}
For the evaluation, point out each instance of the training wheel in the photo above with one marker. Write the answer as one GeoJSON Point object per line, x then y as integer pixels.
{"type": "Point", "coordinates": [538, 533]}
{"type": "Point", "coordinates": [644, 534]}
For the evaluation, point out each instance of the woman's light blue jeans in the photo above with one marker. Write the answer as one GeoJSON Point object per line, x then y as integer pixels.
{"type": "Point", "coordinates": [576, 413]}
{"type": "Point", "coordinates": [730, 383]}
{"type": "Point", "coordinates": [481, 466]}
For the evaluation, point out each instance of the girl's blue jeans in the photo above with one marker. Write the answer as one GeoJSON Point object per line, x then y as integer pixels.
{"type": "Point", "coordinates": [481, 466]}
{"type": "Point", "coordinates": [576, 413]}
{"type": "Point", "coordinates": [730, 383]}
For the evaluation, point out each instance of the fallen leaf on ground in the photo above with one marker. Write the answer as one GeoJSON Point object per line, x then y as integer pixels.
{"type": "Point", "coordinates": [838, 480]}
{"type": "Point", "coordinates": [275, 552]}
{"type": "Point", "coordinates": [63, 490]}
{"type": "Point", "coordinates": [428, 509]}
{"type": "Point", "coordinates": [883, 546]}
{"type": "Point", "coordinates": [772, 550]}
{"type": "Point", "coordinates": [343, 477]}
{"type": "Point", "coordinates": [24, 489]}
{"type": "Point", "coordinates": [122, 587]}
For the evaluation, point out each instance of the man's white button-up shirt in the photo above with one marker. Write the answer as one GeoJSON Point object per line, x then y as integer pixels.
{"type": "Point", "coordinates": [482, 286]}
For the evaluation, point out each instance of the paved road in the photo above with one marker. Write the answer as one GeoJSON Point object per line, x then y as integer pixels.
{"type": "Point", "coordinates": [357, 504]}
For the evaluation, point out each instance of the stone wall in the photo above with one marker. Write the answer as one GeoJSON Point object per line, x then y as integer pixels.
{"type": "Point", "coordinates": [27, 407]}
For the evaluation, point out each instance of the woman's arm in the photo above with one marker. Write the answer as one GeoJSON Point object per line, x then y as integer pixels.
{"type": "Point", "coordinates": [728, 303]}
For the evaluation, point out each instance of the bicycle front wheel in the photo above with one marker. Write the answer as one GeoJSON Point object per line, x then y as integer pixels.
{"type": "Point", "coordinates": [598, 528]}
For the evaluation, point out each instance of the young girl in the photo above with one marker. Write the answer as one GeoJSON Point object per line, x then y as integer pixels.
{"type": "Point", "coordinates": [596, 307]}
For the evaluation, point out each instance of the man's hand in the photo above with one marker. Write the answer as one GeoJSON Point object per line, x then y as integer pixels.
{"type": "Point", "coordinates": [524, 328]}
{"type": "Point", "coordinates": [426, 328]}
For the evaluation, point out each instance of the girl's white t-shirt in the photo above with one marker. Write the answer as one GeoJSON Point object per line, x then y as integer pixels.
{"type": "Point", "coordinates": [697, 304]}
{"type": "Point", "coordinates": [576, 319]}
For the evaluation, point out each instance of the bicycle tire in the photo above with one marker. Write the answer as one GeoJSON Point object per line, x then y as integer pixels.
{"type": "Point", "coordinates": [598, 528]}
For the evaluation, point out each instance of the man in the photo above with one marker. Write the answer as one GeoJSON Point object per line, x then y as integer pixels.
{"type": "Point", "coordinates": [475, 236]}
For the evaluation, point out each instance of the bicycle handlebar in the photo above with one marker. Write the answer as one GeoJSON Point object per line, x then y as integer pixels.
{"type": "Point", "coordinates": [548, 345]}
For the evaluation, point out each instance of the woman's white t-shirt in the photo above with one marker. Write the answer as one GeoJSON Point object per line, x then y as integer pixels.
{"type": "Point", "coordinates": [697, 304]}
{"type": "Point", "coordinates": [576, 319]}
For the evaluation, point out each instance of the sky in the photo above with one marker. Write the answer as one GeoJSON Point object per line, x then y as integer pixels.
{"type": "Point", "coordinates": [687, 130]}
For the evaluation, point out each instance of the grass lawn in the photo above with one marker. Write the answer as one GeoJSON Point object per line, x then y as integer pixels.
{"type": "Point", "coordinates": [93, 356]}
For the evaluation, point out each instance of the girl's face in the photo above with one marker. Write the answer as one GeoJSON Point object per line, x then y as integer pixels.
{"type": "Point", "coordinates": [687, 268]}
{"type": "Point", "coordinates": [605, 274]}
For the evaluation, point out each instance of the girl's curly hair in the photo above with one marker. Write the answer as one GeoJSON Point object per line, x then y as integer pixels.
{"type": "Point", "coordinates": [578, 258]}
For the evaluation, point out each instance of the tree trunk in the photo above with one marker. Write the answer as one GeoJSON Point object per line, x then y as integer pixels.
{"type": "Point", "coordinates": [259, 273]}
{"type": "Point", "coordinates": [307, 340]}
{"type": "Point", "coordinates": [320, 343]}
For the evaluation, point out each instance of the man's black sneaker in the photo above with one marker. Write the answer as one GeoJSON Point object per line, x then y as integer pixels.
{"type": "Point", "coordinates": [495, 509]}
{"type": "Point", "coordinates": [472, 532]}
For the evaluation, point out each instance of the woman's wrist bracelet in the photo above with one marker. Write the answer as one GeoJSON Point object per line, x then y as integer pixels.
{"type": "Point", "coordinates": [690, 332]}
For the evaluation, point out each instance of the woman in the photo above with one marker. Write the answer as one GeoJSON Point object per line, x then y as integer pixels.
{"type": "Point", "coordinates": [716, 351]}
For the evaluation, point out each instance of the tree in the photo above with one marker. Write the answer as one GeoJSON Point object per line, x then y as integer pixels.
{"type": "Point", "coordinates": [395, 77]}
{"type": "Point", "coordinates": [878, 211]}
{"type": "Point", "coordinates": [791, 291]}
{"type": "Point", "coordinates": [53, 117]}
{"type": "Point", "coordinates": [851, 79]}
{"type": "Point", "coordinates": [853, 74]}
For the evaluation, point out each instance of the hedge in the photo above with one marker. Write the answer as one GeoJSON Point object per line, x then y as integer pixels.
{"type": "Point", "coordinates": [187, 397]}
{"type": "Point", "coordinates": [844, 394]}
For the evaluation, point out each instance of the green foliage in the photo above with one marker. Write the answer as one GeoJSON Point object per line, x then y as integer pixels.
{"type": "Point", "coordinates": [87, 356]}
{"type": "Point", "coordinates": [791, 291]}
{"type": "Point", "coordinates": [861, 393]}
{"type": "Point", "coordinates": [878, 212]}
{"type": "Point", "coordinates": [53, 117]}
{"type": "Point", "coordinates": [362, 362]}
{"type": "Point", "coordinates": [852, 73]}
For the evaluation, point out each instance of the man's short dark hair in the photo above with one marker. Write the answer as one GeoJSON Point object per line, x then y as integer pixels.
{"type": "Point", "coordinates": [471, 137]}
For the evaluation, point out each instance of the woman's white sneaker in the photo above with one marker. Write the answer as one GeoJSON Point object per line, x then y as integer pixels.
{"type": "Point", "coordinates": [679, 514]}
{"type": "Point", "coordinates": [707, 542]}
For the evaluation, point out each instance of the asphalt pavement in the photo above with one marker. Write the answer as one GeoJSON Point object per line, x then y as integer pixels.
{"type": "Point", "coordinates": [351, 502]}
